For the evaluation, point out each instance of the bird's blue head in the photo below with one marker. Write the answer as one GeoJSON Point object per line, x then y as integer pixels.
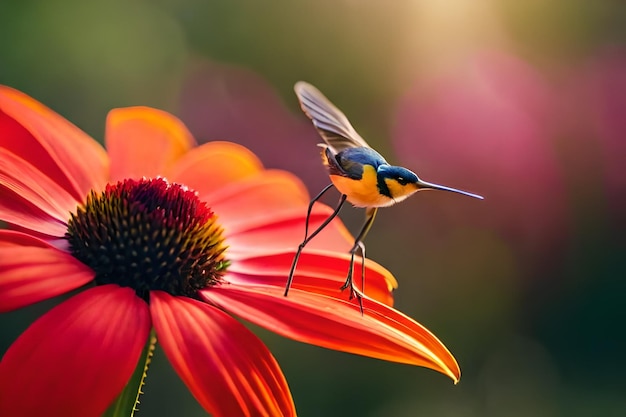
{"type": "Point", "coordinates": [396, 182]}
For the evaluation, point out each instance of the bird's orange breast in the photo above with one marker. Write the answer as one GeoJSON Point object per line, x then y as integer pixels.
{"type": "Point", "coordinates": [362, 192]}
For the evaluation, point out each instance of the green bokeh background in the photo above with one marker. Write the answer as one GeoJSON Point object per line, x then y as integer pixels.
{"type": "Point", "coordinates": [538, 329]}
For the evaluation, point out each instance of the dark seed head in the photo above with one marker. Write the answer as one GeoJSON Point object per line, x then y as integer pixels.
{"type": "Point", "coordinates": [149, 235]}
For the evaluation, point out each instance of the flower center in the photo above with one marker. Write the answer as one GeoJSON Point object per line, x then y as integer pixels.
{"type": "Point", "coordinates": [149, 235]}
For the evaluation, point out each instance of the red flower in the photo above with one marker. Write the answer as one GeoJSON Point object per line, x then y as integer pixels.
{"type": "Point", "coordinates": [149, 252]}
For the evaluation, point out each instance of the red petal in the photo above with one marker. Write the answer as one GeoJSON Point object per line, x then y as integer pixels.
{"type": "Point", "coordinates": [334, 323]}
{"type": "Point", "coordinates": [142, 141]}
{"type": "Point", "coordinates": [30, 199]}
{"type": "Point", "coordinates": [321, 272]}
{"type": "Point", "coordinates": [58, 148]}
{"type": "Point", "coordinates": [284, 230]}
{"type": "Point", "coordinates": [31, 270]}
{"type": "Point", "coordinates": [214, 165]}
{"type": "Point", "coordinates": [75, 360]}
{"type": "Point", "coordinates": [226, 367]}
{"type": "Point", "coordinates": [273, 203]}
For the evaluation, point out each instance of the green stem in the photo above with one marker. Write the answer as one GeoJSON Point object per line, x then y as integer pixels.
{"type": "Point", "coordinates": [128, 400]}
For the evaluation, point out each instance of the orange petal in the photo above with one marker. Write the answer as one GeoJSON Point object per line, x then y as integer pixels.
{"type": "Point", "coordinates": [257, 198]}
{"type": "Point", "coordinates": [31, 271]}
{"type": "Point", "coordinates": [30, 199]}
{"type": "Point", "coordinates": [226, 367]}
{"type": "Point", "coordinates": [58, 148]}
{"type": "Point", "coordinates": [284, 230]}
{"type": "Point", "coordinates": [320, 272]}
{"type": "Point", "coordinates": [381, 332]}
{"type": "Point", "coordinates": [75, 359]}
{"type": "Point", "coordinates": [144, 142]}
{"type": "Point", "coordinates": [214, 165]}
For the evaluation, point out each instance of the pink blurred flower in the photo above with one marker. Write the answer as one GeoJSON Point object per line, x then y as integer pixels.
{"type": "Point", "coordinates": [486, 127]}
{"type": "Point", "coordinates": [597, 95]}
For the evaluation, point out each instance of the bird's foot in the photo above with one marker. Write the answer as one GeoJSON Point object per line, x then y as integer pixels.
{"type": "Point", "coordinates": [353, 292]}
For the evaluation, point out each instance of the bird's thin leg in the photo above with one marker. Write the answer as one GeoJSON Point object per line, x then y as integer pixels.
{"type": "Point", "coordinates": [358, 244]}
{"type": "Point", "coordinates": [310, 208]}
{"type": "Point", "coordinates": [354, 293]}
{"type": "Point", "coordinates": [362, 250]}
{"type": "Point", "coordinates": [307, 237]}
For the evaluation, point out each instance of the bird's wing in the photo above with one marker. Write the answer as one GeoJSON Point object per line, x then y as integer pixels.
{"type": "Point", "coordinates": [336, 166]}
{"type": "Point", "coordinates": [329, 121]}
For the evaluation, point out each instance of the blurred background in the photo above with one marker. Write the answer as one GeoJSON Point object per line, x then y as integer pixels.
{"type": "Point", "coordinates": [522, 102]}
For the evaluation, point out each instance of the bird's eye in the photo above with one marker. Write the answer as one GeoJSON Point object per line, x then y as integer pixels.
{"type": "Point", "coordinates": [402, 181]}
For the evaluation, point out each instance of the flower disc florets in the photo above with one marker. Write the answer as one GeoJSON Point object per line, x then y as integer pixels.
{"type": "Point", "coordinates": [149, 235]}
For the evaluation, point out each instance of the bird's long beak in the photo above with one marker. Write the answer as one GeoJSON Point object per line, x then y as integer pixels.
{"type": "Point", "coordinates": [429, 186]}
